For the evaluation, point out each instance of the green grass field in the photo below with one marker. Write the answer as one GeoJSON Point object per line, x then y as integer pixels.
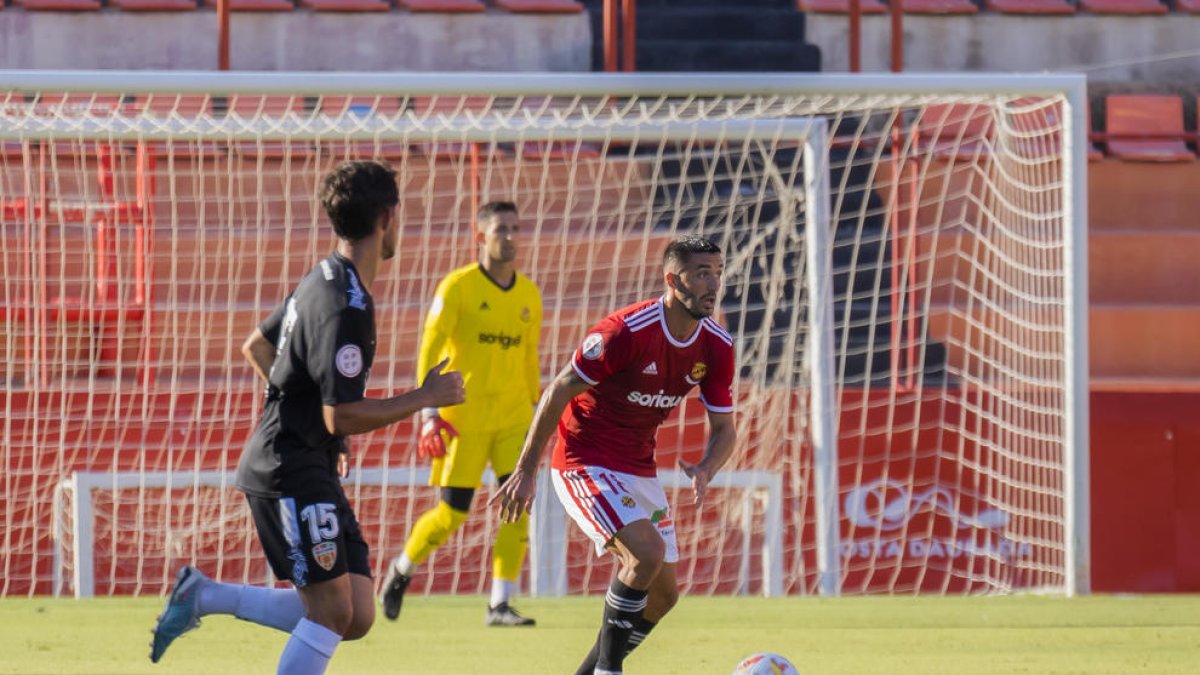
{"type": "Point", "coordinates": [444, 635]}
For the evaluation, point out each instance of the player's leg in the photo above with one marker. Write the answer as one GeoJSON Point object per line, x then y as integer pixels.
{"type": "Point", "coordinates": [663, 591]}
{"type": "Point", "coordinates": [663, 594]}
{"type": "Point", "coordinates": [194, 595]}
{"type": "Point", "coordinates": [328, 559]}
{"type": "Point", "coordinates": [458, 474]}
{"type": "Point", "coordinates": [512, 539]}
{"type": "Point", "coordinates": [607, 510]}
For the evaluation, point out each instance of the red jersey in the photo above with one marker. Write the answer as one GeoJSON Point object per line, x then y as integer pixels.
{"type": "Point", "coordinates": [639, 373]}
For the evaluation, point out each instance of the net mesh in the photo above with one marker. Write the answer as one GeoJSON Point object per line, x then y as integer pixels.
{"type": "Point", "coordinates": [146, 234]}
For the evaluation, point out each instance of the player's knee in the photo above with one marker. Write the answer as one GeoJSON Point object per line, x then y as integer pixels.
{"type": "Point", "coordinates": [336, 615]}
{"type": "Point", "coordinates": [648, 555]}
{"type": "Point", "coordinates": [360, 625]}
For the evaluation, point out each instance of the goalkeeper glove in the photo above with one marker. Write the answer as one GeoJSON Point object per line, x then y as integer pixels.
{"type": "Point", "coordinates": [432, 443]}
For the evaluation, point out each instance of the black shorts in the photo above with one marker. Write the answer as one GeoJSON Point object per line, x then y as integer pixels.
{"type": "Point", "coordinates": [310, 537]}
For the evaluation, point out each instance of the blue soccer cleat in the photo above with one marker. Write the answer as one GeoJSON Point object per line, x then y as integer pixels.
{"type": "Point", "coordinates": [180, 613]}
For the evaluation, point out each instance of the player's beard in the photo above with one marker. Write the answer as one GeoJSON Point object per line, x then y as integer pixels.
{"type": "Point", "coordinates": [693, 304]}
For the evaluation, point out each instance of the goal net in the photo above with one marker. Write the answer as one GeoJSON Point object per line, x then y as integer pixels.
{"type": "Point", "coordinates": [904, 276]}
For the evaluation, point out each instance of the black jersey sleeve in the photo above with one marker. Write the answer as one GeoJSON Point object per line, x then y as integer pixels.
{"type": "Point", "coordinates": [339, 356]}
{"type": "Point", "coordinates": [273, 324]}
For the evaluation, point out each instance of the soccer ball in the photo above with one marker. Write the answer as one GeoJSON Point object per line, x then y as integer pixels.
{"type": "Point", "coordinates": [765, 663]}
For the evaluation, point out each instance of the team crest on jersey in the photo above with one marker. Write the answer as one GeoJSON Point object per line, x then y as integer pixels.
{"type": "Point", "coordinates": [325, 553]}
{"type": "Point", "coordinates": [697, 374]}
{"type": "Point", "coordinates": [349, 360]}
{"type": "Point", "coordinates": [525, 316]}
{"type": "Point", "coordinates": [628, 502]}
{"type": "Point", "coordinates": [593, 346]}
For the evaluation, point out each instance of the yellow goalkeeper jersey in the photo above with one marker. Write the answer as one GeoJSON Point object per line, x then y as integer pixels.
{"type": "Point", "coordinates": [490, 334]}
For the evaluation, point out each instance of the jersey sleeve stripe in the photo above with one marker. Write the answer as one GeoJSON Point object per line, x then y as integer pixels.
{"type": "Point", "coordinates": [582, 375]}
{"type": "Point", "coordinates": [715, 328]}
{"type": "Point", "coordinates": [716, 408]}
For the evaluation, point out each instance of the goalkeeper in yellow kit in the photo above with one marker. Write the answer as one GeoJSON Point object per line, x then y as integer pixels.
{"type": "Point", "coordinates": [486, 319]}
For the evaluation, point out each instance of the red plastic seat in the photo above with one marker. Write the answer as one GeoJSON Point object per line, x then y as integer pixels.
{"type": "Point", "coordinates": [1188, 6]}
{"type": "Point", "coordinates": [256, 5]}
{"type": "Point", "coordinates": [558, 150]}
{"type": "Point", "coordinates": [380, 105]}
{"type": "Point", "coordinates": [1158, 115]}
{"type": "Point", "coordinates": [154, 5]}
{"type": "Point", "coordinates": [345, 5]}
{"type": "Point", "coordinates": [1031, 6]}
{"type": "Point", "coordinates": [938, 6]}
{"type": "Point", "coordinates": [441, 5]}
{"type": "Point", "coordinates": [1123, 6]}
{"type": "Point", "coordinates": [841, 6]}
{"type": "Point", "coordinates": [78, 104]}
{"type": "Point", "coordinates": [269, 106]}
{"type": "Point", "coordinates": [540, 6]}
{"type": "Point", "coordinates": [955, 129]}
{"type": "Point", "coordinates": [60, 5]}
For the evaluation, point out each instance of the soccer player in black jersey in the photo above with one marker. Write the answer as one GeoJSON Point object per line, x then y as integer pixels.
{"type": "Point", "coordinates": [315, 352]}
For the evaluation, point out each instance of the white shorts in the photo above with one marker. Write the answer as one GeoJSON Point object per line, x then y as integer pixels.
{"type": "Point", "coordinates": [602, 502]}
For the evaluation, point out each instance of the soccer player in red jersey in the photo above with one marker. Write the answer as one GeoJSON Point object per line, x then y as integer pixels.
{"type": "Point", "coordinates": [631, 370]}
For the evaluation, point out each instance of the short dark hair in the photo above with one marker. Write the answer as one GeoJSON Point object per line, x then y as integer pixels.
{"type": "Point", "coordinates": [355, 193]}
{"type": "Point", "coordinates": [492, 209]}
{"type": "Point", "coordinates": [680, 251]}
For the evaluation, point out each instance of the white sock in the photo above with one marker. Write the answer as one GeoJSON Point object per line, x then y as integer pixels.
{"type": "Point", "coordinates": [217, 598]}
{"type": "Point", "coordinates": [308, 650]}
{"type": "Point", "coordinates": [501, 590]}
{"type": "Point", "coordinates": [279, 608]}
{"type": "Point", "coordinates": [405, 565]}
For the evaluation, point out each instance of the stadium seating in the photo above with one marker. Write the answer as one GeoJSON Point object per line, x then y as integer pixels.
{"type": "Point", "coordinates": [1031, 6]}
{"type": "Point", "coordinates": [1123, 6]}
{"type": "Point", "coordinates": [60, 5]}
{"type": "Point", "coordinates": [256, 5]}
{"type": "Point", "coordinates": [154, 5]}
{"type": "Point", "coordinates": [540, 6]}
{"type": "Point", "coordinates": [442, 5]}
{"type": "Point", "coordinates": [1129, 116]}
{"type": "Point", "coordinates": [841, 6]}
{"type": "Point", "coordinates": [938, 6]}
{"type": "Point", "coordinates": [1188, 6]}
{"type": "Point", "coordinates": [346, 5]}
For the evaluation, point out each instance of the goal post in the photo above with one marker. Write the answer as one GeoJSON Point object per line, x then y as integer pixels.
{"type": "Point", "coordinates": [906, 285]}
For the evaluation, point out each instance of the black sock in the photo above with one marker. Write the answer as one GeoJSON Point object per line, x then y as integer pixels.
{"type": "Point", "coordinates": [641, 628]}
{"type": "Point", "coordinates": [623, 607]}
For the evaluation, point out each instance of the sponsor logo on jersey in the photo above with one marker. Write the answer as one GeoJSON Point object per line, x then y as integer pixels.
{"type": "Point", "coordinates": [325, 553]}
{"type": "Point", "coordinates": [505, 341]}
{"type": "Point", "coordinates": [484, 305]}
{"type": "Point", "coordinates": [660, 400]}
{"type": "Point", "coordinates": [358, 297]}
{"type": "Point", "coordinates": [697, 374]}
{"type": "Point", "coordinates": [661, 518]}
{"type": "Point", "coordinates": [628, 502]}
{"type": "Point", "coordinates": [349, 360]}
{"type": "Point", "coordinates": [651, 369]}
{"type": "Point", "coordinates": [593, 346]}
{"type": "Point", "coordinates": [326, 270]}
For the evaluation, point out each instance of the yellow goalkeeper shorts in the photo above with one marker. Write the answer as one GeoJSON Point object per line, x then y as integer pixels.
{"type": "Point", "coordinates": [470, 452]}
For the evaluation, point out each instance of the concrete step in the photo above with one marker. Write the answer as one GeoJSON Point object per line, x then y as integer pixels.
{"type": "Point", "coordinates": [719, 24]}
{"type": "Point", "coordinates": [733, 55]}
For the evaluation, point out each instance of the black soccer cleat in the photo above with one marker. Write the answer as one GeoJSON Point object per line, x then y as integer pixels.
{"type": "Point", "coordinates": [392, 595]}
{"type": "Point", "coordinates": [503, 615]}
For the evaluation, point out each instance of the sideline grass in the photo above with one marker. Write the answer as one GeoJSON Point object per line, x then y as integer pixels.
{"type": "Point", "coordinates": [446, 636]}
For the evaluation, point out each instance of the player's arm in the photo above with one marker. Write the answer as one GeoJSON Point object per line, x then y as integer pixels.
{"type": "Point", "coordinates": [259, 348]}
{"type": "Point", "coordinates": [438, 389]}
{"type": "Point", "coordinates": [516, 495]}
{"type": "Point", "coordinates": [722, 437]}
{"type": "Point", "coordinates": [336, 360]}
{"type": "Point", "coordinates": [435, 336]}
